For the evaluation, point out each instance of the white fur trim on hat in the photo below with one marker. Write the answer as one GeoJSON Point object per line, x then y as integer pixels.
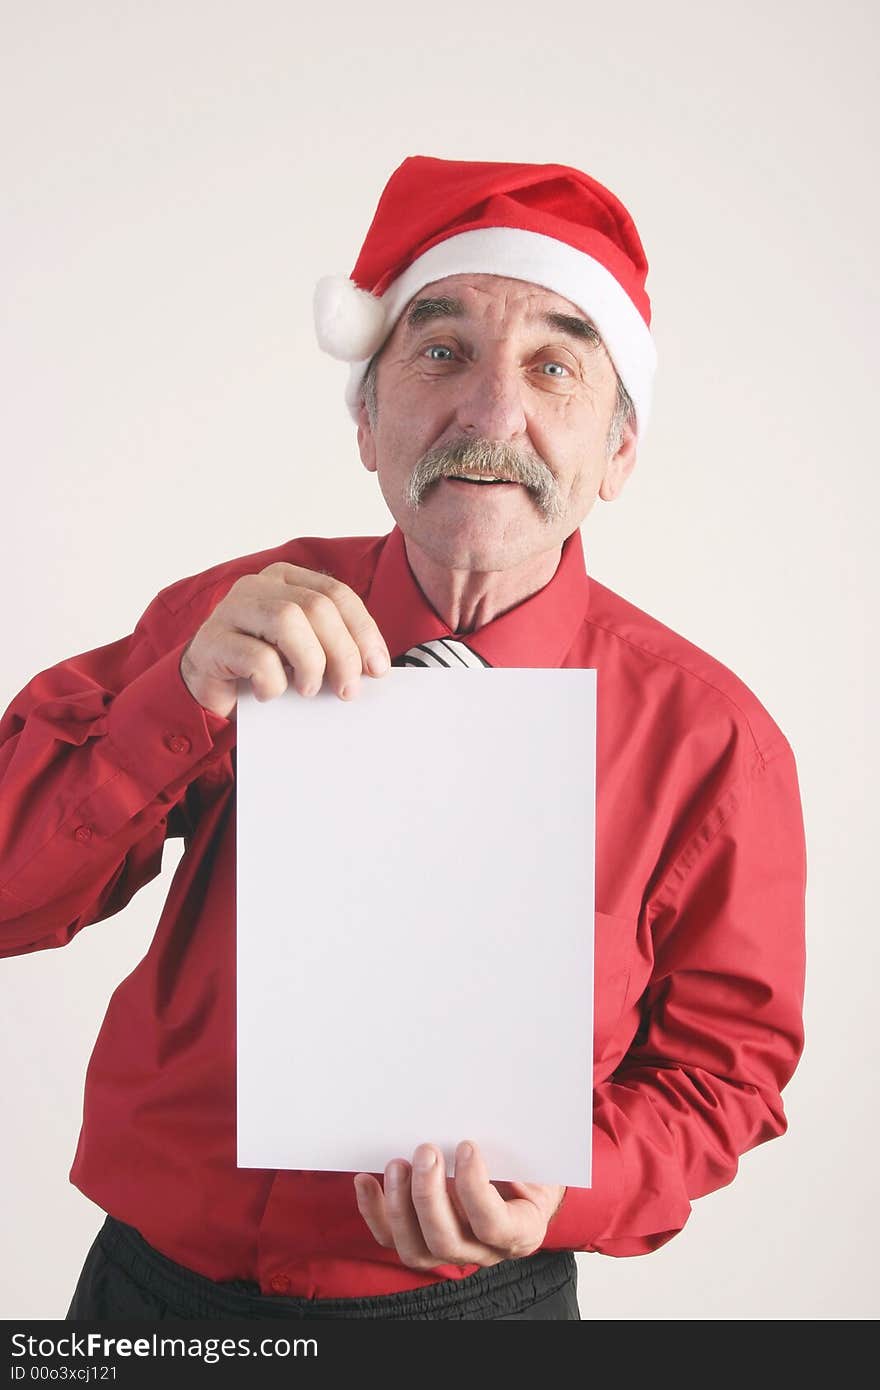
{"type": "Point", "coordinates": [349, 321]}
{"type": "Point", "coordinates": [540, 260]}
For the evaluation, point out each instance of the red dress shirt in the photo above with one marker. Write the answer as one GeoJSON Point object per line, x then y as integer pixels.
{"type": "Point", "coordinates": [700, 886]}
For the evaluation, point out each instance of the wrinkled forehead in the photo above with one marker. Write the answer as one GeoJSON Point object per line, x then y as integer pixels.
{"type": "Point", "coordinates": [476, 291]}
{"type": "Point", "coordinates": [506, 302]}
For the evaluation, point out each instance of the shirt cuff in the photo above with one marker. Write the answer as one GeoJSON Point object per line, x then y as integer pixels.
{"type": "Point", "coordinates": [587, 1212]}
{"type": "Point", "coordinates": [159, 732]}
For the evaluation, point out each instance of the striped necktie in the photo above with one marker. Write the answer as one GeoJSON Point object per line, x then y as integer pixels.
{"type": "Point", "coordinates": [441, 651]}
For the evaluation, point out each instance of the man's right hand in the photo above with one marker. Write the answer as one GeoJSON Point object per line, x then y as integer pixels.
{"type": "Point", "coordinates": [284, 618]}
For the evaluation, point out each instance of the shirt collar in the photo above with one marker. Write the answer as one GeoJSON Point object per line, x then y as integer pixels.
{"type": "Point", "coordinates": [538, 632]}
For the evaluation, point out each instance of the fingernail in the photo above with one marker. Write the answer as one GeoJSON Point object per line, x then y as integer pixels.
{"type": "Point", "coordinates": [465, 1151]}
{"type": "Point", "coordinates": [395, 1174]}
{"type": "Point", "coordinates": [425, 1160]}
{"type": "Point", "coordinates": [349, 691]}
{"type": "Point", "coordinates": [378, 663]}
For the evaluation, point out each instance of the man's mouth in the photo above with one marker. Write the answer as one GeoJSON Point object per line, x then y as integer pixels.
{"type": "Point", "coordinates": [484, 480]}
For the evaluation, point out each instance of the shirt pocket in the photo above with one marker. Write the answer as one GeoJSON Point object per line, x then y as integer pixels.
{"type": "Point", "coordinates": [614, 943]}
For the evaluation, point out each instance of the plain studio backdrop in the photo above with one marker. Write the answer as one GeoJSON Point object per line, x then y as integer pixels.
{"type": "Point", "coordinates": [175, 179]}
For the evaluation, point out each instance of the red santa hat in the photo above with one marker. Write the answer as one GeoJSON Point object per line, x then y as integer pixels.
{"type": "Point", "coordinates": [544, 223]}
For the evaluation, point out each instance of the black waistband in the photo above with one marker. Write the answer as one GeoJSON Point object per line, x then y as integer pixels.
{"type": "Point", "coordinates": [493, 1292]}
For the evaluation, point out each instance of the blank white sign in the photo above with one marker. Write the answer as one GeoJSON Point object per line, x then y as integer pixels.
{"type": "Point", "coordinates": [415, 911]}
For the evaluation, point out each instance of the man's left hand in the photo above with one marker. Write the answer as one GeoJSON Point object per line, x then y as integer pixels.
{"type": "Point", "coordinates": [431, 1219]}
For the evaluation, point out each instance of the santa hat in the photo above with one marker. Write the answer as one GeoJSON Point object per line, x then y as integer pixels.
{"type": "Point", "coordinates": [545, 223]}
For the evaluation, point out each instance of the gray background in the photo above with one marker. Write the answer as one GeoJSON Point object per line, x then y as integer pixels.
{"type": "Point", "coordinates": [176, 177]}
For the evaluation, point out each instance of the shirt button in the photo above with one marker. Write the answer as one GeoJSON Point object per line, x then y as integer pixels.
{"type": "Point", "coordinates": [279, 1283]}
{"type": "Point", "coordinates": [83, 833]}
{"type": "Point", "coordinates": [179, 744]}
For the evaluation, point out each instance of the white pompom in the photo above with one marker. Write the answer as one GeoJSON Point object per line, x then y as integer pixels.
{"type": "Point", "coordinates": [349, 321]}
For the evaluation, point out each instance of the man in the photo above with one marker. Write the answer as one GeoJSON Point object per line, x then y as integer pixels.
{"type": "Point", "coordinates": [497, 327]}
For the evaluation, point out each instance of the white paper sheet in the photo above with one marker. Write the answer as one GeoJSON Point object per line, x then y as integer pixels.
{"type": "Point", "coordinates": [415, 909]}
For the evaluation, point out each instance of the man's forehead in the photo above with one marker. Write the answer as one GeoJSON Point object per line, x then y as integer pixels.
{"type": "Point", "coordinates": [472, 291]}
{"type": "Point", "coordinates": [464, 296]}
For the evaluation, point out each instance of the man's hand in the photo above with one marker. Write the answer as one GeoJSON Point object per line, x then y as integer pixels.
{"type": "Point", "coordinates": [284, 619]}
{"type": "Point", "coordinates": [432, 1220]}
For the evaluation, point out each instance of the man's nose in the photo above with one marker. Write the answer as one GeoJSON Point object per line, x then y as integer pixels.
{"type": "Point", "coordinates": [491, 403]}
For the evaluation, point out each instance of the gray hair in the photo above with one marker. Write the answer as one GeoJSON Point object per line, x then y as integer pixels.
{"type": "Point", "coordinates": [624, 411]}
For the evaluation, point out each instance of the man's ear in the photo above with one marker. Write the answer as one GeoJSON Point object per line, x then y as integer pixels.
{"type": "Point", "coordinates": [619, 466]}
{"type": "Point", "coordinates": [366, 442]}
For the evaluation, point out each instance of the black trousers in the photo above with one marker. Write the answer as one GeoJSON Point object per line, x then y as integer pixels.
{"type": "Point", "coordinates": [124, 1277]}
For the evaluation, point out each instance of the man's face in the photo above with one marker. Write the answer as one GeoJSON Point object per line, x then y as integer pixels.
{"type": "Point", "coordinates": [482, 358]}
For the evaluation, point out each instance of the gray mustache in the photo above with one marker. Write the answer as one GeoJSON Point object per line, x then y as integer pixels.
{"type": "Point", "coordinates": [488, 456]}
{"type": "Point", "coordinates": [481, 456]}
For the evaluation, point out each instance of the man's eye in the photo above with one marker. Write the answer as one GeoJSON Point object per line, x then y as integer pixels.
{"type": "Point", "coordinates": [554, 368]}
{"type": "Point", "coordinates": [436, 348]}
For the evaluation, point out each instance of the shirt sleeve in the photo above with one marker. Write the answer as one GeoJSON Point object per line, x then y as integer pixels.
{"type": "Point", "coordinates": [721, 1024]}
{"type": "Point", "coordinates": [96, 755]}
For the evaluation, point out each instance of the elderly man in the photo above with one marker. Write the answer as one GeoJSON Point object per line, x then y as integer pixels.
{"type": "Point", "coordinates": [497, 327]}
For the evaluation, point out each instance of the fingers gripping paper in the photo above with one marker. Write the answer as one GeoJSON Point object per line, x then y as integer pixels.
{"type": "Point", "coordinates": [415, 911]}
